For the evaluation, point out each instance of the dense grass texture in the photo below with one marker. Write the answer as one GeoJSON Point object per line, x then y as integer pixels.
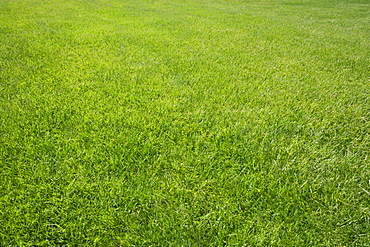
{"type": "Point", "coordinates": [184, 123]}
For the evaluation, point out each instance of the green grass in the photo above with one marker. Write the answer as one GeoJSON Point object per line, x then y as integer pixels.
{"type": "Point", "coordinates": [184, 123]}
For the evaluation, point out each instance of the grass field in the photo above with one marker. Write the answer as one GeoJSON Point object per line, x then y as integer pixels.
{"type": "Point", "coordinates": [185, 123]}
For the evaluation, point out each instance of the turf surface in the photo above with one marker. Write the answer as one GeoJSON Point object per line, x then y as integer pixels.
{"type": "Point", "coordinates": [184, 123]}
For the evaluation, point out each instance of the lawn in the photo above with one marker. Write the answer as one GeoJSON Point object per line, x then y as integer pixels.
{"type": "Point", "coordinates": [185, 123]}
